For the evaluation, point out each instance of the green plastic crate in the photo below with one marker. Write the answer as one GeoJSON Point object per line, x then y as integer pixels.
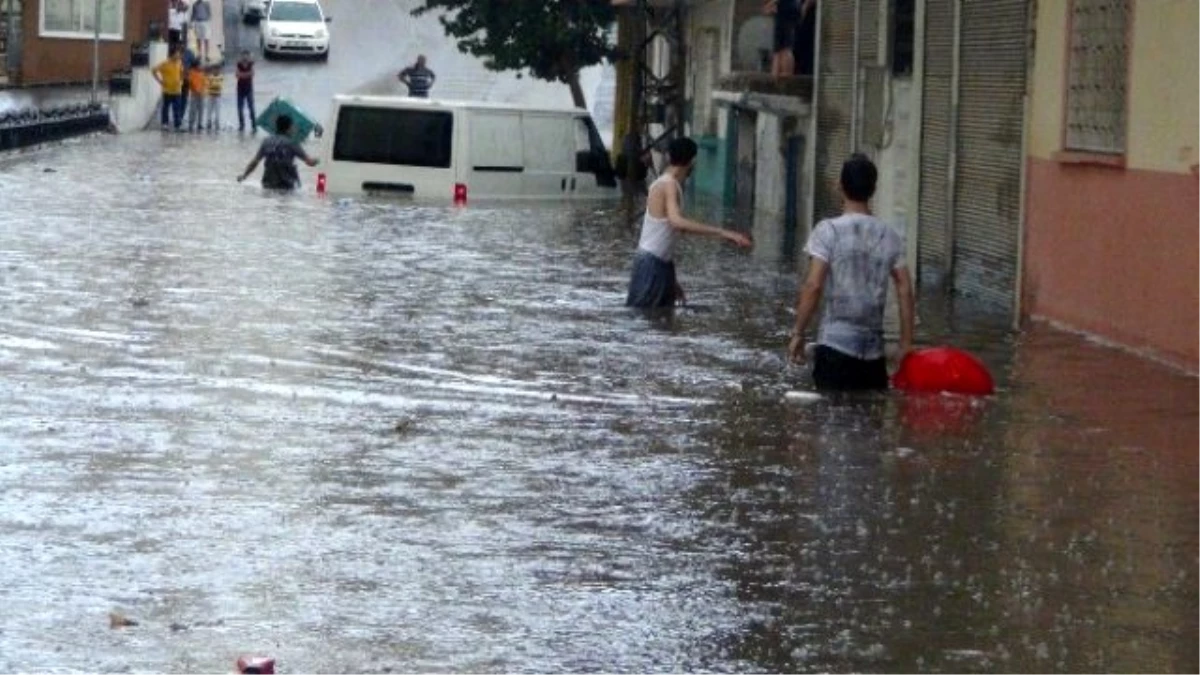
{"type": "Point", "coordinates": [302, 126]}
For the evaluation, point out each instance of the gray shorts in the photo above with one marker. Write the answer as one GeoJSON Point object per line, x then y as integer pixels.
{"type": "Point", "coordinates": [201, 28]}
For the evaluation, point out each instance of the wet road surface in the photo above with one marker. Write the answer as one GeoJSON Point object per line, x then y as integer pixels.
{"type": "Point", "coordinates": [360, 436]}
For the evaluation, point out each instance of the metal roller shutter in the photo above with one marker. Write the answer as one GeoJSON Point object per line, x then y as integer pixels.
{"type": "Point", "coordinates": [933, 202]}
{"type": "Point", "coordinates": [993, 50]}
{"type": "Point", "coordinates": [835, 98]}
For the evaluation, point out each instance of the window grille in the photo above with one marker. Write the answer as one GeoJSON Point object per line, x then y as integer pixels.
{"type": "Point", "coordinates": [1098, 71]}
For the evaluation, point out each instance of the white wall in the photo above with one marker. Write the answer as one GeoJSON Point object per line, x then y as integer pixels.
{"type": "Point", "coordinates": [894, 159]}
{"type": "Point", "coordinates": [134, 112]}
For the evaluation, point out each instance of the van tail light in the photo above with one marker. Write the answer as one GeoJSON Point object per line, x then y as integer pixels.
{"type": "Point", "coordinates": [321, 183]}
{"type": "Point", "coordinates": [460, 193]}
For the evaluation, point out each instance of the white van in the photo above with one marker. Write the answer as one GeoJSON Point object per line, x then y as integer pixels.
{"type": "Point", "coordinates": [445, 150]}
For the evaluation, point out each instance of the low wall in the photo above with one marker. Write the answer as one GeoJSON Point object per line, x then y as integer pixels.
{"type": "Point", "coordinates": [22, 129]}
{"type": "Point", "coordinates": [135, 111]}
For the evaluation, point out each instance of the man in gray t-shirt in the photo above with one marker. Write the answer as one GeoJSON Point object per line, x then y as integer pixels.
{"type": "Point", "coordinates": [851, 259]}
{"type": "Point", "coordinates": [278, 154]}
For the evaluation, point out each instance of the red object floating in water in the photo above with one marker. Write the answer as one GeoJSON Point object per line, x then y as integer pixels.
{"type": "Point", "coordinates": [256, 664]}
{"type": "Point", "coordinates": [943, 369]}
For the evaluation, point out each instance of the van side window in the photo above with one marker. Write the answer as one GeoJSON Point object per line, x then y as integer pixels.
{"type": "Point", "coordinates": [394, 136]}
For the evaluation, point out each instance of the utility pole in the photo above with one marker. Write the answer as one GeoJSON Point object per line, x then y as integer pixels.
{"type": "Point", "coordinates": [96, 53]}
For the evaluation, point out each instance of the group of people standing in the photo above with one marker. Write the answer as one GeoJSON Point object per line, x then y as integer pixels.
{"type": "Point", "coordinates": [192, 87]}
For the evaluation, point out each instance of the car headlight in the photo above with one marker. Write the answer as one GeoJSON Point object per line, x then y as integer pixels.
{"type": "Point", "coordinates": [320, 33]}
{"type": "Point", "coordinates": [274, 32]}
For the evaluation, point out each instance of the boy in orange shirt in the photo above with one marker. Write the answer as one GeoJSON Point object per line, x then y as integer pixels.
{"type": "Point", "coordinates": [197, 83]}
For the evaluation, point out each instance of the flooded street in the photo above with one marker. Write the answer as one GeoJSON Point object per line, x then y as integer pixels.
{"type": "Point", "coordinates": [365, 436]}
{"type": "Point", "coordinates": [361, 436]}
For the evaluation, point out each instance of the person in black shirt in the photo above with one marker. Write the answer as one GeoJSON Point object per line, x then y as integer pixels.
{"type": "Point", "coordinates": [418, 78]}
{"type": "Point", "coordinates": [279, 154]}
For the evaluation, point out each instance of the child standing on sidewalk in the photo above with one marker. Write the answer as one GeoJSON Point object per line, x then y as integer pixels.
{"type": "Point", "coordinates": [197, 83]}
{"type": "Point", "coordinates": [216, 82]}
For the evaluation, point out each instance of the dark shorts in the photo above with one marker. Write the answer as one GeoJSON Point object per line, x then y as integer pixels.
{"type": "Point", "coordinates": [787, 18]}
{"type": "Point", "coordinates": [834, 370]}
{"type": "Point", "coordinates": [652, 283]}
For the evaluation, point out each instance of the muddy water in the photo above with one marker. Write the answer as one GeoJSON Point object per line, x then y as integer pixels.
{"type": "Point", "coordinates": [361, 436]}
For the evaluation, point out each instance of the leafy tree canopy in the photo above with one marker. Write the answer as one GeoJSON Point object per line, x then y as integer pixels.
{"type": "Point", "coordinates": [551, 39]}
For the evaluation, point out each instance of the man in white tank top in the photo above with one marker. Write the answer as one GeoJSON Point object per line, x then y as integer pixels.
{"type": "Point", "coordinates": [653, 282]}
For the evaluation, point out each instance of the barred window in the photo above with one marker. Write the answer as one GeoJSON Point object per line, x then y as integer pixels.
{"type": "Point", "coordinates": [1098, 71]}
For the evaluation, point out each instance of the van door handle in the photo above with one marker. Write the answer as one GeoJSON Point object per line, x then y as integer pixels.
{"type": "Point", "coordinates": [564, 185]}
{"type": "Point", "coordinates": [572, 185]}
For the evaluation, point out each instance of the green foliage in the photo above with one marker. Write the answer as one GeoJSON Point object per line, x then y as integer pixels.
{"type": "Point", "coordinates": [552, 39]}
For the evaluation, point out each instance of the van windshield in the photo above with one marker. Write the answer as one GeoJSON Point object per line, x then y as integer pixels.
{"type": "Point", "coordinates": [393, 136]}
{"type": "Point", "coordinates": [295, 11]}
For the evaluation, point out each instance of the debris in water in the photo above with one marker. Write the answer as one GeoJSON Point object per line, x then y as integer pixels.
{"type": "Point", "coordinates": [802, 396]}
{"type": "Point", "coordinates": [256, 664]}
{"type": "Point", "coordinates": [177, 627]}
{"type": "Point", "coordinates": [49, 170]}
{"type": "Point", "coordinates": [404, 426]}
{"type": "Point", "coordinates": [119, 620]}
{"type": "Point", "coordinates": [140, 302]}
{"type": "Point", "coordinates": [903, 453]}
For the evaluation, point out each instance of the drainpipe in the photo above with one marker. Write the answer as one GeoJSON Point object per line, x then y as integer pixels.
{"type": "Point", "coordinates": [96, 53]}
{"type": "Point", "coordinates": [952, 163]}
{"type": "Point", "coordinates": [855, 98]}
{"type": "Point", "coordinates": [1022, 216]}
{"type": "Point", "coordinates": [913, 229]}
{"type": "Point", "coordinates": [810, 143]}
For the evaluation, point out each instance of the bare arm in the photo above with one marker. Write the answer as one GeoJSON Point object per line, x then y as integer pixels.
{"type": "Point", "coordinates": [904, 294]}
{"type": "Point", "coordinates": [676, 220]}
{"type": "Point", "coordinates": [304, 155]}
{"type": "Point", "coordinates": [252, 165]}
{"type": "Point", "coordinates": [806, 306]}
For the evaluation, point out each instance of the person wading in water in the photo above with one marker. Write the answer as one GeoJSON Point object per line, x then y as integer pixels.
{"type": "Point", "coordinates": [653, 282]}
{"type": "Point", "coordinates": [279, 154]}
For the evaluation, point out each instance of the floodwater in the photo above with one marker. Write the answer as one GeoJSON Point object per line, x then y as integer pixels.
{"type": "Point", "coordinates": [362, 436]}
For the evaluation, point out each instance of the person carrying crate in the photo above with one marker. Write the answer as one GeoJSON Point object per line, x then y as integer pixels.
{"type": "Point", "coordinates": [279, 153]}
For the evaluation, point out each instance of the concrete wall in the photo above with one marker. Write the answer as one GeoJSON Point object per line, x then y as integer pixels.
{"type": "Point", "coordinates": [134, 112]}
{"type": "Point", "coordinates": [69, 60]}
{"type": "Point", "coordinates": [1110, 243]}
{"type": "Point", "coordinates": [893, 200]}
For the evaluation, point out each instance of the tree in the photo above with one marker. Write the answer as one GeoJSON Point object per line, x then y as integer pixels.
{"type": "Point", "coordinates": [552, 39]}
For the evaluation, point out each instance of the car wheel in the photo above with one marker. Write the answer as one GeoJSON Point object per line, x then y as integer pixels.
{"type": "Point", "coordinates": [324, 57]}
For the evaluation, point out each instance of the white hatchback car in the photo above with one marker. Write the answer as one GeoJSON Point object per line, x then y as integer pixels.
{"type": "Point", "coordinates": [297, 27]}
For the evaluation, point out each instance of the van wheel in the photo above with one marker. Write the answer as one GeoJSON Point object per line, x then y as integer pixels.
{"type": "Point", "coordinates": [324, 57]}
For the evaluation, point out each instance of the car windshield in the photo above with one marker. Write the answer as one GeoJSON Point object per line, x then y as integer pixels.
{"type": "Point", "coordinates": [295, 11]}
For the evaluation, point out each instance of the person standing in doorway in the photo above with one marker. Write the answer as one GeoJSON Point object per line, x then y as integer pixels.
{"type": "Point", "coordinates": [852, 256]}
{"type": "Point", "coordinates": [279, 154]}
{"type": "Point", "coordinates": [418, 78]}
{"type": "Point", "coordinates": [787, 19]}
{"type": "Point", "coordinates": [653, 283]}
{"type": "Point", "coordinates": [169, 75]}
{"type": "Point", "coordinates": [245, 90]}
{"type": "Point", "coordinates": [201, 16]}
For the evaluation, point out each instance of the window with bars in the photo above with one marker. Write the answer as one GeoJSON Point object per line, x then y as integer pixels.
{"type": "Point", "coordinates": [1097, 74]}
